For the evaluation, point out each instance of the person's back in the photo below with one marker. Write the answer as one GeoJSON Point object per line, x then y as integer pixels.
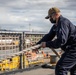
{"type": "Point", "coordinates": [71, 42]}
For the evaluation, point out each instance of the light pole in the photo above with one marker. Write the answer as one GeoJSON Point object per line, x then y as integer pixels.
{"type": "Point", "coordinates": [29, 27]}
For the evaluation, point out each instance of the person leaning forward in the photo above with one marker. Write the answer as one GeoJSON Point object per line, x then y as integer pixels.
{"type": "Point", "coordinates": [66, 40]}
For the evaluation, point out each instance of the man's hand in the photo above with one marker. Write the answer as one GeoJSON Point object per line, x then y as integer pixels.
{"type": "Point", "coordinates": [43, 44]}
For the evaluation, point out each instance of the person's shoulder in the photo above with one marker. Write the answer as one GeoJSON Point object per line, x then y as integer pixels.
{"type": "Point", "coordinates": [64, 19]}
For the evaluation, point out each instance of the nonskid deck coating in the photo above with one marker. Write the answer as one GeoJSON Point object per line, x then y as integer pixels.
{"type": "Point", "coordinates": [39, 71]}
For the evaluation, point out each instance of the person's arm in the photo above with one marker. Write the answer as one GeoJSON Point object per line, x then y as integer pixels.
{"type": "Point", "coordinates": [62, 36]}
{"type": "Point", "coordinates": [48, 36]}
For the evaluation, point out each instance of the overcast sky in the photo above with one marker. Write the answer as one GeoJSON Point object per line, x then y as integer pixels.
{"type": "Point", "coordinates": [30, 14]}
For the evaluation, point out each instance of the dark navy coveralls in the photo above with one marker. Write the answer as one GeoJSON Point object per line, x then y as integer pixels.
{"type": "Point", "coordinates": [66, 39]}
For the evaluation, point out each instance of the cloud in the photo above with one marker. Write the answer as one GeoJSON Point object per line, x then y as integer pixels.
{"type": "Point", "coordinates": [18, 14]}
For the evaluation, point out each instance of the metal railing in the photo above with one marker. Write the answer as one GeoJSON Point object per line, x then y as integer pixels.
{"type": "Point", "coordinates": [14, 58]}
{"type": "Point", "coordinates": [10, 53]}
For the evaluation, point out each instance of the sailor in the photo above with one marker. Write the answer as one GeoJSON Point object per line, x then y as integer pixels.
{"type": "Point", "coordinates": [66, 39]}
